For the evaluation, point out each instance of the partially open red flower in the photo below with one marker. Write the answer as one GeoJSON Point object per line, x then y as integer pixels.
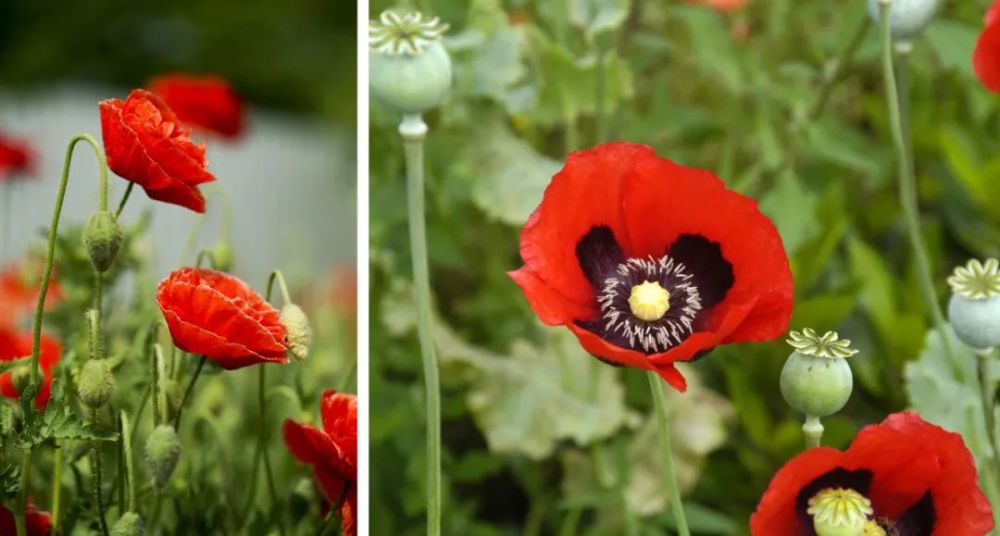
{"type": "Point", "coordinates": [220, 317]}
{"type": "Point", "coordinates": [14, 345]}
{"type": "Point", "coordinates": [206, 103]}
{"type": "Point", "coordinates": [19, 292]}
{"type": "Point", "coordinates": [147, 144]}
{"type": "Point", "coordinates": [920, 479]}
{"type": "Point", "coordinates": [332, 451]}
{"type": "Point", "coordinates": [649, 262]}
{"type": "Point", "coordinates": [986, 58]}
{"type": "Point", "coordinates": [16, 157]}
{"type": "Point", "coordinates": [38, 522]}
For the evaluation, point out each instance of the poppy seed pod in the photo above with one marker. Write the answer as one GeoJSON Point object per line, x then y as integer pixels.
{"type": "Point", "coordinates": [129, 524]}
{"type": "Point", "coordinates": [103, 238]}
{"type": "Point", "coordinates": [163, 449]}
{"type": "Point", "coordinates": [96, 384]}
{"type": "Point", "coordinates": [298, 333]}
{"type": "Point", "coordinates": [908, 18]}
{"type": "Point", "coordinates": [222, 255]}
{"type": "Point", "coordinates": [839, 512]}
{"type": "Point", "coordinates": [974, 309]}
{"type": "Point", "coordinates": [816, 378]}
{"type": "Point", "coordinates": [409, 68]}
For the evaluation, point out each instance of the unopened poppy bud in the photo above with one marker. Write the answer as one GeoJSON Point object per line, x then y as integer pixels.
{"type": "Point", "coordinates": [839, 512]}
{"type": "Point", "coordinates": [409, 68]}
{"type": "Point", "coordinates": [298, 332]}
{"type": "Point", "coordinates": [163, 449]}
{"type": "Point", "coordinates": [907, 18]}
{"type": "Point", "coordinates": [974, 308]}
{"type": "Point", "coordinates": [96, 384]}
{"type": "Point", "coordinates": [129, 524]}
{"type": "Point", "coordinates": [222, 256]}
{"type": "Point", "coordinates": [816, 378]}
{"type": "Point", "coordinates": [172, 389]}
{"type": "Point", "coordinates": [103, 238]}
{"type": "Point", "coordinates": [21, 378]}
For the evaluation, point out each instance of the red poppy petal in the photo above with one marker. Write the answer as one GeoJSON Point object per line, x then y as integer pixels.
{"type": "Point", "coordinates": [552, 308]}
{"type": "Point", "coordinates": [349, 513]}
{"type": "Point", "coordinates": [776, 512]}
{"type": "Point", "coordinates": [340, 421]}
{"type": "Point", "coordinates": [986, 57]}
{"type": "Point", "coordinates": [672, 376]}
{"type": "Point", "coordinates": [586, 193]}
{"type": "Point", "coordinates": [180, 194]}
{"type": "Point", "coordinates": [125, 155]}
{"type": "Point", "coordinates": [664, 200]}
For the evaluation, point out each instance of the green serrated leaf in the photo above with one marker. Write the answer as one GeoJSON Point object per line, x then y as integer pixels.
{"type": "Point", "coordinates": [58, 422]}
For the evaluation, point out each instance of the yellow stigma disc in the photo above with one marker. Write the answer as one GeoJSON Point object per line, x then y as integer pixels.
{"type": "Point", "coordinates": [649, 301]}
{"type": "Point", "coordinates": [840, 512]}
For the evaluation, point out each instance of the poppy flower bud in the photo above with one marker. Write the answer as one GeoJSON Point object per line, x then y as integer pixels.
{"type": "Point", "coordinates": [129, 524]}
{"type": "Point", "coordinates": [222, 255]}
{"type": "Point", "coordinates": [908, 18]}
{"type": "Point", "coordinates": [96, 383]}
{"type": "Point", "coordinates": [298, 332]}
{"type": "Point", "coordinates": [409, 68]}
{"type": "Point", "coordinates": [172, 388]}
{"type": "Point", "coordinates": [103, 238]}
{"type": "Point", "coordinates": [21, 378]}
{"type": "Point", "coordinates": [839, 512]}
{"type": "Point", "coordinates": [816, 378]}
{"type": "Point", "coordinates": [163, 449]}
{"type": "Point", "coordinates": [974, 309]}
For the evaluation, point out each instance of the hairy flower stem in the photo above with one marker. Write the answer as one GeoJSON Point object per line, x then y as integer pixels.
{"type": "Point", "coordinates": [991, 465]}
{"type": "Point", "coordinates": [676, 506]}
{"type": "Point", "coordinates": [43, 289]}
{"type": "Point", "coordinates": [414, 131]}
{"type": "Point", "coordinates": [907, 182]}
{"type": "Point", "coordinates": [127, 454]}
{"type": "Point", "coordinates": [57, 486]}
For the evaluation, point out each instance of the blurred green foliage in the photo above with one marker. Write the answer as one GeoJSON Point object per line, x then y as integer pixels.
{"type": "Point", "coordinates": [298, 54]}
{"type": "Point", "coordinates": [539, 437]}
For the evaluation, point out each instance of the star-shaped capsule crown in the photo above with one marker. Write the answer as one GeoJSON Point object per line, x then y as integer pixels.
{"type": "Point", "coordinates": [977, 280]}
{"type": "Point", "coordinates": [829, 345]}
{"type": "Point", "coordinates": [406, 34]}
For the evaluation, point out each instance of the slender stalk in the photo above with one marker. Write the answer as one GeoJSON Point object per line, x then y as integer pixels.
{"type": "Point", "coordinates": [95, 467]}
{"type": "Point", "coordinates": [187, 393]}
{"type": "Point", "coordinates": [907, 182]}
{"type": "Point", "coordinates": [127, 453]}
{"type": "Point", "coordinates": [414, 131]}
{"type": "Point", "coordinates": [812, 429]}
{"type": "Point", "coordinates": [57, 488]}
{"type": "Point", "coordinates": [125, 196]}
{"type": "Point", "coordinates": [277, 275]}
{"type": "Point", "coordinates": [676, 506]}
{"type": "Point", "coordinates": [991, 466]}
{"type": "Point", "coordinates": [43, 290]}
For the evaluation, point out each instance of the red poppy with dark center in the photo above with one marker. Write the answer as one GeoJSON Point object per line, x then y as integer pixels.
{"type": "Point", "coordinates": [920, 479]}
{"type": "Point", "coordinates": [218, 316]}
{"type": "Point", "coordinates": [16, 157]}
{"type": "Point", "coordinates": [147, 144]}
{"type": "Point", "coordinates": [205, 103]}
{"type": "Point", "coordinates": [332, 451]}
{"type": "Point", "coordinates": [38, 522]}
{"type": "Point", "coordinates": [17, 345]}
{"type": "Point", "coordinates": [649, 262]}
{"type": "Point", "coordinates": [986, 58]}
{"type": "Point", "coordinates": [19, 293]}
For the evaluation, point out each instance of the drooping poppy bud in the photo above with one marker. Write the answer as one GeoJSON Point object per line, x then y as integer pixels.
{"type": "Point", "coordinates": [298, 332]}
{"type": "Point", "coordinates": [222, 256]}
{"type": "Point", "coordinates": [409, 68]}
{"type": "Point", "coordinates": [96, 384]}
{"type": "Point", "coordinates": [163, 450]}
{"type": "Point", "coordinates": [974, 308]}
{"type": "Point", "coordinates": [103, 238]}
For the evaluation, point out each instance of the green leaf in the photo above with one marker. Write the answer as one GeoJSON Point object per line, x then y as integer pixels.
{"type": "Point", "coordinates": [598, 17]}
{"type": "Point", "coordinates": [954, 42]}
{"type": "Point", "coordinates": [793, 209]}
{"type": "Point", "coordinates": [58, 422]}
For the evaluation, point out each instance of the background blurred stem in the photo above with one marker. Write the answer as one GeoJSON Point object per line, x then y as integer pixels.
{"type": "Point", "coordinates": [991, 466]}
{"type": "Point", "coordinates": [414, 131]}
{"type": "Point", "coordinates": [5, 247]}
{"type": "Point", "coordinates": [57, 486]}
{"type": "Point", "coordinates": [907, 182]}
{"type": "Point", "coordinates": [669, 477]}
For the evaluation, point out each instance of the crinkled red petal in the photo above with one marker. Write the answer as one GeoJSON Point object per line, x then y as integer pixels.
{"type": "Point", "coordinates": [315, 447]}
{"type": "Point", "coordinates": [340, 422]}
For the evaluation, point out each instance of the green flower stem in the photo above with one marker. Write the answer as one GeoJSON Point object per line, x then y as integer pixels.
{"type": "Point", "coordinates": [43, 290]}
{"type": "Point", "coordinates": [205, 254]}
{"type": "Point", "coordinates": [187, 393]}
{"type": "Point", "coordinates": [57, 487]}
{"type": "Point", "coordinates": [414, 131]}
{"type": "Point", "coordinates": [991, 466]}
{"type": "Point", "coordinates": [676, 506]}
{"type": "Point", "coordinates": [812, 429]}
{"type": "Point", "coordinates": [125, 196]}
{"type": "Point", "coordinates": [907, 182]}
{"type": "Point", "coordinates": [280, 278]}
{"type": "Point", "coordinates": [95, 468]}
{"type": "Point", "coordinates": [127, 454]}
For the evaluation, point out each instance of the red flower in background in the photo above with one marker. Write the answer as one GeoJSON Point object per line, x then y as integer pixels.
{"type": "Point", "coordinates": [332, 451]}
{"type": "Point", "coordinates": [15, 345]}
{"type": "Point", "coordinates": [650, 263]}
{"type": "Point", "coordinates": [920, 479]}
{"type": "Point", "coordinates": [38, 522]}
{"type": "Point", "coordinates": [147, 144]}
{"type": "Point", "coordinates": [986, 58]}
{"type": "Point", "coordinates": [19, 293]}
{"type": "Point", "coordinates": [218, 316]}
{"type": "Point", "coordinates": [205, 103]}
{"type": "Point", "coordinates": [16, 156]}
{"type": "Point", "coordinates": [722, 5]}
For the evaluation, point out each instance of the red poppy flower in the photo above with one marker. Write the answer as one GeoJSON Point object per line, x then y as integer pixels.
{"type": "Point", "coordinates": [19, 292]}
{"type": "Point", "coordinates": [17, 345]}
{"type": "Point", "coordinates": [986, 58]}
{"type": "Point", "coordinates": [146, 144]}
{"type": "Point", "coordinates": [38, 522]}
{"type": "Point", "coordinates": [920, 479]}
{"type": "Point", "coordinates": [206, 103]}
{"type": "Point", "coordinates": [332, 451]}
{"type": "Point", "coordinates": [220, 317]}
{"type": "Point", "coordinates": [649, 262]}
{"type": "Point", "coordinates": [722, 5]}
{"type": "Point", "coordinates": [16, 156]}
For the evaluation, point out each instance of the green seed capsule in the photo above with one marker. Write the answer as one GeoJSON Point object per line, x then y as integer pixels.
{"type": "Point", "coordinates": [816, 378]}
{"type": "Point", "coordinates": [103, 238]}
{"type": "Point", "coordinates": [409, 68]}
{"type": "Point", "coordinates": [974, 308]}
